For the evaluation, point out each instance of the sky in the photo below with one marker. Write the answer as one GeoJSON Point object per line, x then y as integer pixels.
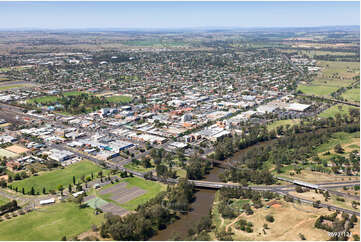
{"type": "Point", "coordinates": [63, 15]}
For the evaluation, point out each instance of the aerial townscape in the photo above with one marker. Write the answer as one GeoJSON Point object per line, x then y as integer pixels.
{"type": "Point", "coordinates": [205, 134]}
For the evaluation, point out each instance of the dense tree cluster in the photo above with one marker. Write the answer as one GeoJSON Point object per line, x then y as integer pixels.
{"type": "Point", "coordinates": [341, 225]}
{"type": "Point", "coordinates": [296, 146]}
{"type": "Point", "coordinates": [226, 194]}
{"type": "Point", "coordinates": [197, 167]}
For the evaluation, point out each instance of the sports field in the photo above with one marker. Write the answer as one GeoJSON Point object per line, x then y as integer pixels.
{"type": "Point", "coordinates": [6, 153]}
{"type": "Point", "coordinates": [131, 192]}
{"type": "Point", "coordinates": [52, 179]}
{"type": "Point", "coordinates": [151, 188]}
{"type": "Point", "coordinates": [119, 99]}
{"type": "Point", "coordinates": [50, 223]}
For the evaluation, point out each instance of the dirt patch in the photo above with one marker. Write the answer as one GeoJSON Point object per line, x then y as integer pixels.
{"type": "Point", "coordinates": [276, 205]}
{"type": "Point", "coordinates": [289, 217]}
{"type": "Point", "coordinates": [18, 149]}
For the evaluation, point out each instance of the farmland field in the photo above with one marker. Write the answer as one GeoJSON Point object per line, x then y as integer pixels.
{"type": "Point", "coordinates": [332, 76]}
{"type": "Point", "coordinates": [312, 53]}
{"type": "Point", "coordinates": [52, 179]}
{"type": "Point", "coordinates": [50, 223]}
{"type": "Point", "coordinates": [352, 94]}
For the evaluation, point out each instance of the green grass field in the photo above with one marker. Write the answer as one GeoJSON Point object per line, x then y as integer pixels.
{"type": "Point", "coordinates": [282, 122]}
{"type": "Point", "coordinates": [52, 179]}
{"type": "Point", "coordinates": [119, 99]}
{"type": "Point", "coordinates": [317, 90]}
{"type": "Point", "coordinates": [3, 200]}
{"type": "Point", "coordinates": [137, 168]}
{"type": "Point", "coordinates": [332, 111]}
{"type": "Point", "coordinates": [50, 223]}
{"type": "Point", "coordinates": [338, 138]}
{"type": "Point", "coordinates": [53, 99]}
{"type": "Point", "coordinates": [352, 94]}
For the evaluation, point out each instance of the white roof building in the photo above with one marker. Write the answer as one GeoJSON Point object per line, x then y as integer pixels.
{"type": "Point", "coordinates": [47, 201]}
{"type": "Point", "coordinates": [297, 107]}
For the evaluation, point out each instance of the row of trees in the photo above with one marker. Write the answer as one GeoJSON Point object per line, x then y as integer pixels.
{"type": "Point", "coordinates": [9, 207]}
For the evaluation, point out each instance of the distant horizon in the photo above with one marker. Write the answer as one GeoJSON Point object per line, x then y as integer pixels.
{"type": "Point", "coordinates": [176, 15]}
{"type": "Point", "coordinates": [173, 28]}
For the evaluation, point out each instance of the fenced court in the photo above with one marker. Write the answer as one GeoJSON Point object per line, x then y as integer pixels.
{"type": "Point", "coordinates": [122, 193]}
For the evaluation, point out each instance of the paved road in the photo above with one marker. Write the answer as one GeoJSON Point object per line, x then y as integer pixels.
{"type": "Point", "coordinates": [293, 64]}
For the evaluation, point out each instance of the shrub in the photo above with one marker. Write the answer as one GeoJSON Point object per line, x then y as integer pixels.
{"type": "Point", "coordinates": [341, 199]}
{"type": "Point", "coordinates": [249, 230]}
{"type": "Point", "coordinates": [270, 218]}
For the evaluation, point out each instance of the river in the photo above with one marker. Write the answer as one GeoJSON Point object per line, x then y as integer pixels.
{"type": "Point", "coordinates": [200, 207]}
{"type": "Point", "coordinates": [202, 204]}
